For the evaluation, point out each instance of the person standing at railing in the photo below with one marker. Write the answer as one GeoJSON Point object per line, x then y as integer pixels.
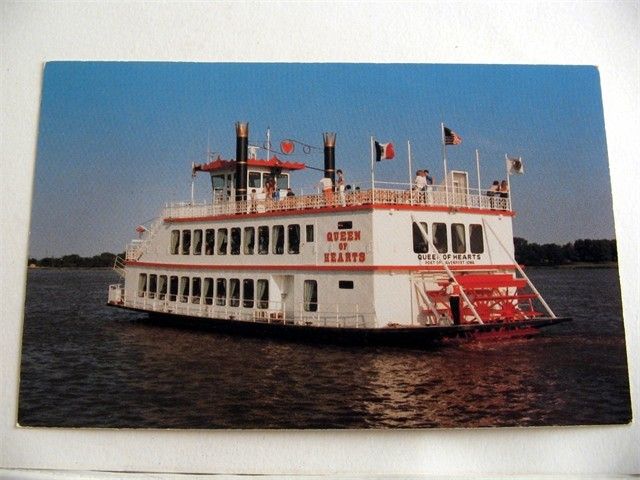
{"type": "Point", "coordinates": [327, 189]}
{"type": "Point", "coordinates": [493, 192]}
{"type": "Point", "coordinates": [429, 188]}
{"type": "Point", "coordinates": [340, 187]}
{"type": "Point", "coordinates": [504, 189]}
{"type": "Point", "coordinates": [420, 184]}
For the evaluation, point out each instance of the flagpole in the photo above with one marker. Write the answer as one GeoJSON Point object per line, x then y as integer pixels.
{"type": "Point", "coordinates": [444, 160]}
{"type": "Point", "coordinates": [409, 161]}
{"type": "Point", "coordinates": [506, 158]}
{"type": "Point", "coordinates": [372, 174]}
{"type": "Point", "coordinates": [478, 170]}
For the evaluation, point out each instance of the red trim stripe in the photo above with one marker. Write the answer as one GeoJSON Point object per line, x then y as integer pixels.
{"type": "Point", "coordinates": [318, 268]}
{"type": "Point", "coordinates": [333, 210]}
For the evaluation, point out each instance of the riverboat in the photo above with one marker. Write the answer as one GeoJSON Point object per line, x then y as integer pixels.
{"type": "Point", "coordinates": [372, 265]}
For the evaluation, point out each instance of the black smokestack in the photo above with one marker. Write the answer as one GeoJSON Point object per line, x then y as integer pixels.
{"type": "Point", "coordinates": [330, 156]}
{"type": "Point", "coordinates": [242, 147]}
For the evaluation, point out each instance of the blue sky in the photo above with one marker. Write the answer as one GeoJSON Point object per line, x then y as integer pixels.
{"type": "Point", "coordinates": [116, 139]}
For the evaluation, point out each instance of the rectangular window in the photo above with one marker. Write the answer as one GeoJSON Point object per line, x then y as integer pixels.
{"type": "Point", "coordinates": [175, 242]}
{"type": "Point", "coordinates": [310, 296]}
{"type": "Point", "coordinates": [263, 240]}
{"type": "Point", "coordinates": [209, 241]}
{"type": "Point", "coordinates": [345, 225]}
{"type": "Point", "coordinates": [142, 284]}
{"type": "Point", "coordinates": [282, 181]}
{"type": "Point", "coordinates": [419, 243]}
{"type": "Point", "coordinates": [247, 293]}
{"type": "Point", "coordinates": [293, 232]}
{"type": "Point", "coordinates": [162, 287]}
{"type": "Point", "coordinates": [173, 288]}
{"type": "Point", "coordinates": [458, 238]}
{"type": "Point", "coordinates": [235, 241]}
{"type": "Point", "coordinates": [249, 240]}
{"type": "Point", "coordinates": [254, 180]}
{"type": "Point", "coordinates": [278, 239]}
{"type": "Point", "coordinates": [310, 236]}
{"type": "Point", "coordinates": [207, 290]}
{"type": "Point", "coordinates": [197, 242]}
{"type": "Point", "coordinates": [184, 289]}
{"type": "Point", "coordinates": [476, 238]}
{"type": "Point", "coordinates": [222, 241]}
{"type": "Point", "coordinates": [439, 237]}
{"type": "Point", "coordinates": [347, 284]}
{"type": "Point", "coordinates": [153, 285]}
{"type": "Point", "coordinates": [186, 242]}
{"type": "Point", "coordinates": [262, 293]}
{"type": "Point", "coordinates": [196, 292]}
{"type": "Point", "coordinates": [234, 292]}
{"type": "Point", "coordinates": [221, 292]}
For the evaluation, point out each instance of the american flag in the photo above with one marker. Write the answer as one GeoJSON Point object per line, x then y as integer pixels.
{"type": "Point", "coordinates": [451, 137]}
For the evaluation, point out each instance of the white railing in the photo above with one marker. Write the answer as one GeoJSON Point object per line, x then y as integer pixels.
{"type": "Point", "coordinates": [435, 196]}
{"type": "Point", "coordinates": [137, 247]}
{"type": "Point", "coordinates": [339, 315]}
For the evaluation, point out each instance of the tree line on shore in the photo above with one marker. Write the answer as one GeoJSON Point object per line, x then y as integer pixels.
{"type": "Point", "coordinates": [551, 254]}
{"type": "Point", "coordinates": [530, 254]}
{"type": "Point", "coordinates": [105, 259]}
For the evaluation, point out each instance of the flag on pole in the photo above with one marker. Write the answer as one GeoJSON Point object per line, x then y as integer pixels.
{"type": "Point", "coordinates": [451, 137]}
{"type": "Point", "coordinates": [384, 151]}
{"type": "Point", "coordinates": [515, 165]}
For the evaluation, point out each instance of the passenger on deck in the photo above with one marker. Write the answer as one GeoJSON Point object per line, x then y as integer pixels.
{"type": "Point", "coordinates": [253, 201]}
{"type": "Point", "coordinates": [327, 189]}
{"type": "Point", "coordinates": [504, 189]}
{"type": "Point", "coordinates": [340, 187]}
{"type": "Point", "coordinates": [493, 191]}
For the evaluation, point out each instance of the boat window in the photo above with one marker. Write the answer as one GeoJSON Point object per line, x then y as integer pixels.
{"type": "Point", "coordinates": [310, 296]}
{"type": "Point", "coordinates": [419, 243]}
{"type": "Point", "coordinates": [195, 290]}
{"type": "Point", "coordinates": [184, 289]}
{"type": "Point", "coordinates": [153, 285]}
{"type": "Point", "coordinates": [278, 239]}
{"type": "Point", "coordinates": [263, 240]}
{"type": "Point", "coordinates": [476, 238]}
{"type": "Point", "coordinates": [173, 288]}
{"type": "Point", "coordinates": [293, 232]}
{"type": "Point", "coordinates": [263, 293]}
{"type": "Point", "coordinates": [175, 241]}
{"type": "Point", "coordinates": [347, 284]}
{"type": "Point", "coordinates": [458, 238]}
{"type": "Point", "coordinates": [217, 182]}
{"type": "Point", "coordinates": [346, 225]}
{"type": "Point", "coordinates": [208, 290]}
{"type": "Point", "coordinates": [310, 236]}
{"type": "Point", "coordinates": [221, 291]}
{"type": "Point", "coordinates": [162, 287]}
{"type": "Point", "coordinates": [186, 242]}
{"type": "Point", "coordinates": [282, 181]}
{"type": "Point", "coordinates": [439, 237]}
{"type": "Point", "coordinates": [234, 292]}
{"type": "Point", "coordinates": [197, 242]}
{"type": "Point", "coordinates": [209, 241]}
{"type": "Point", "coordinates": [222, 241]}
{"type": "Point", "coordinates": [249, 240]}
{"type": "Point", "coordinates": [247, 293]}
{"type": "Point", "coordinates": [235, 241]}
{"type": "Point", "coordinates": [254, 180]}
{"type": "Point", "coordinates": [142, 284]}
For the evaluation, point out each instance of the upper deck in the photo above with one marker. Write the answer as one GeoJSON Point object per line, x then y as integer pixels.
{"type": "Point", "coordinates": [382, 195]}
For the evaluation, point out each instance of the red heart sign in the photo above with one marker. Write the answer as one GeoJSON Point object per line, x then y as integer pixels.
{"type": "Point", "coordinates": [287, 147]}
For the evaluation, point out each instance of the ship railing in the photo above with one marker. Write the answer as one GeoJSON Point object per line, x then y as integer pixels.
{"type": "Point", "coordinates": [384, 193]}
{"type": "Point", "coordinates": [337, 315]}
{"type": "Point", "coordinates": [137, 247]}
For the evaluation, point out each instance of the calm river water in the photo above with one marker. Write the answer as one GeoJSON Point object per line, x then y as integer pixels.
{"type": "Point", "coordinates": [88, 365]}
